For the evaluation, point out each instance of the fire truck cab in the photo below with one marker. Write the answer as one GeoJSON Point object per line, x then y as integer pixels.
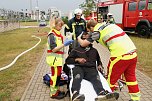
{"type": "Point", "coordinates": [130, 15]}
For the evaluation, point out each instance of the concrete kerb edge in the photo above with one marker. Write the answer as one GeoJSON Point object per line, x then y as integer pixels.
{"type": "Point", "coordinates": [24, 94]}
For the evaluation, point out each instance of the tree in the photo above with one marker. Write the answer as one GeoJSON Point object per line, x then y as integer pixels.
{"type": "Point", "coordinates": [88, 6]}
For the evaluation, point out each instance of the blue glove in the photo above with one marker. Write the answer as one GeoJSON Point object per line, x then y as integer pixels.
{"type": "Point", "coordinates": [67, 42]}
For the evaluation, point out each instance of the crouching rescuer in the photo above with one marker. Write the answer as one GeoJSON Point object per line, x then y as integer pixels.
{"type": "Point", "coordinates": [55, 57]}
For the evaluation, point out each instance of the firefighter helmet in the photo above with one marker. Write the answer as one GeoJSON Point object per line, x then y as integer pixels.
{"type": "Point", "coordinates": [109, 14]}
{"type": "Point", "coordinates": [78, 11]}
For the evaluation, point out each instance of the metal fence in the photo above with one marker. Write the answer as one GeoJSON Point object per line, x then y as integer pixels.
{"type": "Point", "coordinates": [9, 20]}
{"type": "Point", "coordinates": [6, 25]}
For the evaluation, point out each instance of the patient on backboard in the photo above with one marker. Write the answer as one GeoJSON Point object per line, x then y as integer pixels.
{"type": "Point", "coordinates": [87, 84]}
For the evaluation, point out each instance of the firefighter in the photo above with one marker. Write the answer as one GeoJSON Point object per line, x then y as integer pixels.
{"type": "Point", "coordinates": [123, 56]}
{"type": "Point", "coordinates": [76, 26]}
{"type": "Point", "coordinates": [110, 18]}
{"type": "Point", "coordinates": [55, 57]}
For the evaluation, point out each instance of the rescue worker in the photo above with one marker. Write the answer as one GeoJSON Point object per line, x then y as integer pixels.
{"type": "Point", "coordinates": [110, 18]}
{"type": "Point", "coordinates": [123, 56]}
{"type": "Point", "coordinates": [76, 26]}
{"type": "Point", "coordinates": [55, 57]}
{"type": "Point", "coordinates": [101, 19]}
{"type": "Point", "coordinates": [84, 59]}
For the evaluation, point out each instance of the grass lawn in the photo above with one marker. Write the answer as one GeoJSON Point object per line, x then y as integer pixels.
{"type": "Point", "coordinates": [15, 79]}
{"type": "Point", "coordinates": [30, 23]}
{"type": "Point", "coordinates": [144, 50]}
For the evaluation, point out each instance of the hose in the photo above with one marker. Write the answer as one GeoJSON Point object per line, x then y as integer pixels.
{"type": "Point", "coordinates": [13, 62]}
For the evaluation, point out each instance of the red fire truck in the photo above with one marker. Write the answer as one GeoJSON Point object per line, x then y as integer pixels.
{"type": "Point", "coordinates": [93, 15]}
{"type": "Point", "coordinates": [130, 15]}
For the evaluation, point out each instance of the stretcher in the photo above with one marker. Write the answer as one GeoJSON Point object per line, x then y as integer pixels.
{"type": "Point", "coordinates": [87, 88]}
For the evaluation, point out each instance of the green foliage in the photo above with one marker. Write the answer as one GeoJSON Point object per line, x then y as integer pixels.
{"type": "Point", "coordinates": [88, 7]}
{"type": "Point", "coordinates": [65, 19]}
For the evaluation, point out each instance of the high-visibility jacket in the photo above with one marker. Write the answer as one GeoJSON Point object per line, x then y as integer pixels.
{"type": "Point", "coordinates": [55, 59]}
{"type": "Point", "coordinates": [115, 39]}
{"type": "Point", "coordinates": [121, 48]}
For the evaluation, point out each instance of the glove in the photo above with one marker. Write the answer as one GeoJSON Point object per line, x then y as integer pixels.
{"type": "Point", "coordinates": [67, 42]}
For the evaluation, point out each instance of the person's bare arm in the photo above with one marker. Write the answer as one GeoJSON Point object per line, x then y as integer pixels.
{"type": "Point", "coordinates": [83, 43]}
{"type": "Point", "coordinates": [57, 48]}
{"type": "Point", "coordinates": [93, 37]}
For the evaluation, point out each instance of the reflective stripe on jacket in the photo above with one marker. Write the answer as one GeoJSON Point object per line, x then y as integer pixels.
{"type": "Point", "coordinates": [76, 27]}
{"type": "Point", "coordinates": [55, 59]}
{"type": "Point", "coordinates": [116, 40]}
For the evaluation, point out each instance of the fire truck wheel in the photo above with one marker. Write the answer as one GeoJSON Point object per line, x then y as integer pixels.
{"type": "Point", "coordinates": [143, 31]}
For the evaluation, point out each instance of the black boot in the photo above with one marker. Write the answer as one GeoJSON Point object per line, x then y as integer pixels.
{"type": "Point", "coordinates": [78, 97]}
{"type": "Point", "coordinates": [58, 95]}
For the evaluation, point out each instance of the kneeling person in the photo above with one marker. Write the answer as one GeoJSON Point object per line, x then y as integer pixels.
{"type": "Point", "coordinates": [84, 59]}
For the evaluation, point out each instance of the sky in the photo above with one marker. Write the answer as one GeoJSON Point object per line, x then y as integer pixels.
{"type": "Point", "coordinates": [64, 5]}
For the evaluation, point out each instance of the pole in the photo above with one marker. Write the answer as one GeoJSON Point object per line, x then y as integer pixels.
{"type": "Point", "coordinates": [37, 4]}
{"type": "Point", "coordinates": [31, 5]}
{"type": "Point", "coordinates": [37, 10]}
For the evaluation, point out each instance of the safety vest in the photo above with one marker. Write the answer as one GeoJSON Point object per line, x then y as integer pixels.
{"type": "Point", "coordinates": [55, 59]}
{"type": "Point", "coordinates": [115, 39]}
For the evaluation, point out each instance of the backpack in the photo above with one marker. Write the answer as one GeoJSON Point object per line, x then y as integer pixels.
{"type": "Point", "coordinates": [63, 80]}
{"type": "Point", "coordinates": [46, 79]}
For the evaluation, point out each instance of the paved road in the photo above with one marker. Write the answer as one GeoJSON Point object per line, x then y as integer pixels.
{"type": "Point", "coordinates": [37, 91]}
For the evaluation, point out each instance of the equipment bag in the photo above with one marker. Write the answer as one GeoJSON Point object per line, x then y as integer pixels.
{"type": "Point", "coordinates": [63, 79]}
{"type": "Point", "coordinates": [46, 79]}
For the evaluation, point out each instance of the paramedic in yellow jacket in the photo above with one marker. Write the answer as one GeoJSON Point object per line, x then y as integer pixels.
{"type": "Point", "coordinates": [123, 56]}
{"type": "Point", "coordinates": [55, 56]}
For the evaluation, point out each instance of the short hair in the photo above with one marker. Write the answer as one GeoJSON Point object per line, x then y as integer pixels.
{"type": "Point", "coordinates": [91, 23]}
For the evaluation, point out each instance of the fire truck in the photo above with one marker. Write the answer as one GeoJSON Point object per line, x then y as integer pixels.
{"type": "Point", "coordinates": [130, 15]}
{"type": "Point", "coordinates": [93, 15]}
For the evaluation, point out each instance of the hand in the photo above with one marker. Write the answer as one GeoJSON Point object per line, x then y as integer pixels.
{"type": "Point", "coordinates": [101, 70]}
{"type": "Point", "coordinates": [80, 60]}
{"type": "Point", "coordinates": [67, 42]}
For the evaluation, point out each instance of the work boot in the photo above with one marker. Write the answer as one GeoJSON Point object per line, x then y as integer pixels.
{"type": "Point", "coordinates": [120, 84]}
{"type": "Point", "coordinates": [78, 97]}
{"type": "Point", "coordinates": [104, 95]}
{"type": "Point", "coordinates": [58, 95]}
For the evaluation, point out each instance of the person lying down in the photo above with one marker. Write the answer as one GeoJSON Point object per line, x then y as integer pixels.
{"type": "Point", "coordinates": [94, 86]}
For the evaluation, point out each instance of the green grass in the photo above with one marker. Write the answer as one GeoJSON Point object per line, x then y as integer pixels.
{"type": "Point", "coordinates": [144, 50]}
{"type": "Point", "coordinates": [31, 23]}
{"type": "Point", "coordinates": [14, 80]}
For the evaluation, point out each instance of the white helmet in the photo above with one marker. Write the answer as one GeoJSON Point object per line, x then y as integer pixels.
{"type": "Point", "coordinates": [109, 14]}
{"type": "Point", "coordinates": [78, 11]}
